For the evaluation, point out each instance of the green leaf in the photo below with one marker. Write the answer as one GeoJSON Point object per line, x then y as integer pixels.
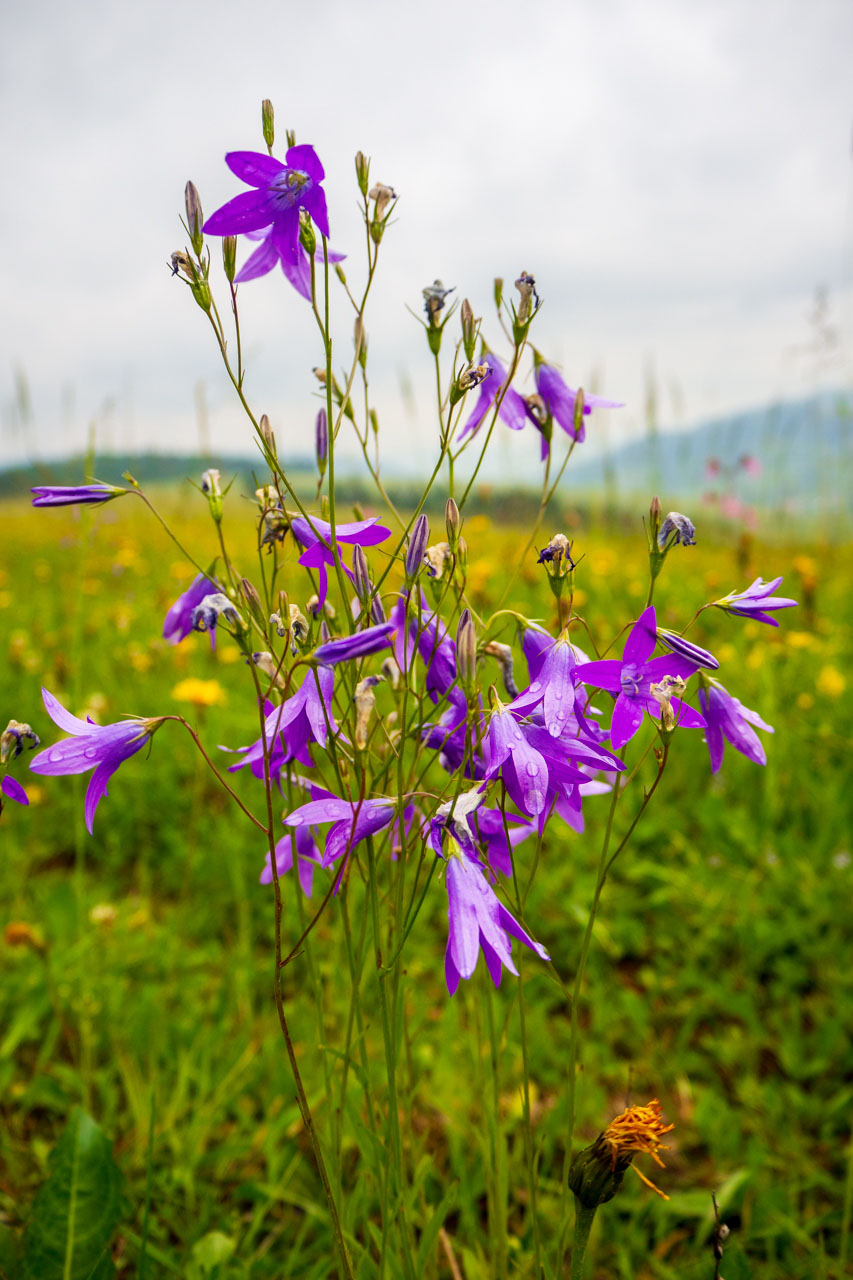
{"type": "Point", "coordinates": [77, 1210]}
{"type": "Point", "coordinates": [435, 1224]}
{"type": "Point", "coordinates": [10, 1254]}
{"type": "Point", "coordinates": [212, 1250]}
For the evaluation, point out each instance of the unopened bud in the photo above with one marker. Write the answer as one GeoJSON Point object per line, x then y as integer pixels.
{"type": "Point", "coordinates": [452, 521]}
{"type": "Point", "coordinates": [268, 122]}
{"type": "Point", "coordinates": [365, 701]}
{"type": "Point", "coordinates": [250, 595]}
{"type": "Point", "coordinates": [577, 415]}
{"type": "Point", "coordinates": [362, 172]}
{"type": "Point", "coordinates": [268, 434]}
{"type": "Point", "coordinates": [195, 217]}
{"type": "Point", "coordinates": [229, 257]}
{"type": "Point", "coordinates": [418, 540]}
{"type": "Point", "coordinates": [290, 137]}
{"type": "Point", "coordinates": [469, 330]}
{"type": "Point", "coordinates": [307, 234]}
{"type": "Point", "coordinates": [321, 441]}
{"type": "Point", "coordinates": [499, 292]}
{"type": "Point", "coordinates": [361, 573]}
{"type": "Point", "coordinates": [341, 274]}
{"type": "Point", "coordinates": [360, 341]}
{"type": "Point", "coordinates": [466, 651]}
{"type": "Point", "coordinates": [374, 422]}
{"type": "Point", "coordinates": [462, 555]}
{"type": "Point", "coordinates": [654, 518]}
{"type": "Point", "coordinates": [377, 610]}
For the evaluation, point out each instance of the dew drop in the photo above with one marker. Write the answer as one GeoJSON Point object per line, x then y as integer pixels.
{"type": "Point", "coordinates": [535, 687]}
{"type": "Point", "coordinates": [532, 769]}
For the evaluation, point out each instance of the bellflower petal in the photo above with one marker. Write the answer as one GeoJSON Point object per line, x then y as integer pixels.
{"type": "Point", "coordinates": [13, 790]}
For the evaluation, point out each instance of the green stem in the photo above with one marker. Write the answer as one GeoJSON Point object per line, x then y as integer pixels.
{"type": "Point", "coordinates": [583, 1222]}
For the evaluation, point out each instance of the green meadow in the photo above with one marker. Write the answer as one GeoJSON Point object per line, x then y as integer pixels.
{"type": "Point", "coordinates": [137, 965]}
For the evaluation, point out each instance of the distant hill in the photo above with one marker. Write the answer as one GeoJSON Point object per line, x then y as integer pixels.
{"type": "Point", "coordinates": [796, 454]}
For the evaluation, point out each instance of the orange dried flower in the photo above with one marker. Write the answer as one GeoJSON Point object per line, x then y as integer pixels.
{"type": "Point", "coordinates": [638, 1129]}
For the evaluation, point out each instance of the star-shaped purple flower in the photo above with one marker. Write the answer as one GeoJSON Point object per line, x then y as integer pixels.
{"type": "Point", "coordinates": [279, 192]}
{"type": "Point", "coordinates": [289, 729]}
{"type": "Point", "coordinates": [757, 602]}
{"type": "Point", "coordinates": [513, 409]}
{"type": "Point", "coordinates": [352, 823]}
{"type": "Point", "coordinates": [559, 400]}
{"type": "Point", "coordinates": [316, 536]}
{"type": "Point", "coordinates": [729, 719]}
{"type": "Point", "coordinates": [102, 747]}
{"type": "Point", "coordinates": [630, 681]}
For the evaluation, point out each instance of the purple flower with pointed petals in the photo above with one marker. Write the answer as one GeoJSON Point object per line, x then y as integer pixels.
{"type": "Point", "coordinates": [351, 823]}
{"type": "Point", "coordinates": [301, 846]}
{"type": "Point", "coordinates": [513, 409]}
{"type": "Point", "coordinates": [553, 686]}
{"type": "Point", "coordinates": [560, 400]}
{"type": "Point", "coordinates": [523, 768]}
{"type": "Point", "coordinates": [757, 602]}
{"type": "Point", "coordinates": [57, 495]}
{"type": "Point", "coordinates": [301, 719]}
{"type": "Point", "coordinates": [316, 536]}
{"type": "Point", "coordinates": [629, 681]}
{"type": "Point", "coordinates": [102, 747]}
{"type": "Point", "coordinates": [265, 257]}
{"type": "Point", "coordinates": [178, 622]}
{"type": "Point", "coordinates": [278, 192]}
{"type": "Point", "coordinates": [478, 920]}
{"type": "Point", "coordinates": [349, 648]}
{"type": "Point", "coordinates": [12, 789]}
{"type": "Point", "coordinates": [728, 718]}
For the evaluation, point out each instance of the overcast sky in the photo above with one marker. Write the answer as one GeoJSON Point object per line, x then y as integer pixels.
{"type": "Point", "coordinates": [677, 176]}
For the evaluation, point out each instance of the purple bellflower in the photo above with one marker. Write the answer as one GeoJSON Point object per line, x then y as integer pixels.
{"type": "Point", "coordinates": [729, 719]}
{"type": "Point", "coordinates": [178, 622]}
{"type": "Point", "coordinates": [301, 847]}
{"type": "Point", "coordinates": [278, 192]}
{"type": "Point", "coordinates": [74, 495]}
{"type": "Point", "coordinates": [630, 681]}
{"type": "Point", "coordinates": [553, 686]}
{"type": "Point", "coordinates": [102, 747]}
{"type": "Point", "coordinates": [265, 257]}
{"type": "Point", "coordinates": [301, 719]}
{"type": "Point", "coordinates": [513, 409]}
{"type": "Point", "coordinates": [478, 920]}
{"type": "Point", "coordinates": [351, 823]}
{"type": "Point", "coordinates": [559, 400]}
{"type": "Point", "coordinates": [316, 536]}
{"type": "Point", "coordinates": [348, 648]}
{"type": "Point", "coordinates": [757, 602]}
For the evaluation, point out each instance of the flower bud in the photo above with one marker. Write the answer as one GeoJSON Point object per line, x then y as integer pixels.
{"type": "Point", "coordinates": [362, 172]}
{"type": "Point", "coordinates": [267, 664]}
{"type": "Point", "coordinates": [195, 217]}
{"type": "Point", "coordinates": [596, 1172]}
{"type": "Point", "coordinates": [377, 611]}
{"type": "Point", "coordinates": [361, 574]}
{"type": "Point", "coordinates": [268, 123]}
{"type": "Point", "coordinates": [469, 330]}
{"type": "Point", "coordinates": [268, 435]}
{"type": "Point", "coordinates": [654, 518]}
{"type": "Point", "coordinates": [466, 652]}
{"type": "Point", "coordinates": [675, 643]}
{"type": "Point", "coordinates": [210, 487]}
{"type": "Point", "coordinates": [417, 546]}
{"type": "Point", "coordinates": [360, 341]}
{"type": "Point", "coordinates": [253, 600]}
{"type": "Point", "coordinates": [290, 138]}
{"type": "Point", "coordinates": [499, 292]}
{"type": "Point", "coordinates": [452, 521]}
{"type": "Point", "coordinates": [365, 701]}
{"type": "Point", "coordinates": [577, 415]}
{"type": "Point", "coordinates": [374, 422]}
{"type": "Point", "coordinates": [462, 555]}
{"type": "Point", "coordinates": [307, 234]}
{"type": "Point", "coordinates": [341, 274]}
{"type": "Point", "coordinates": [321, 441]}
{"type": "Point", "coordinates": [229, 257]}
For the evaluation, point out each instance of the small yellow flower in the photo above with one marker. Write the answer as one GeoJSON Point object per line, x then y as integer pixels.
{"type": "Point", "coordinates": [831, 682]}
{"type": "Point", "coordinates": [805, 701]}
{"type": "Point", "coordinates": [201, 693]}
{"type": "Point", "coordinates": [801, 639]}
{"type": "Point", "coordinates": [104, 913]}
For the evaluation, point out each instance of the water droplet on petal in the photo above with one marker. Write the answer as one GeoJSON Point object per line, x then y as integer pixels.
{"type": "Point", "coordinates": [535, 687]}
{"type": "Point", "coordinates": [532, 769]}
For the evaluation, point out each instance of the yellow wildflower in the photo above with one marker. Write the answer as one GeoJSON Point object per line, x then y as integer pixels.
{"type": "Point", "coordinates": [638, 1129]}
{"type": "Point", "coordinates": [201, 693]}
{"type": "Point", "coordinates": [831, 682]}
